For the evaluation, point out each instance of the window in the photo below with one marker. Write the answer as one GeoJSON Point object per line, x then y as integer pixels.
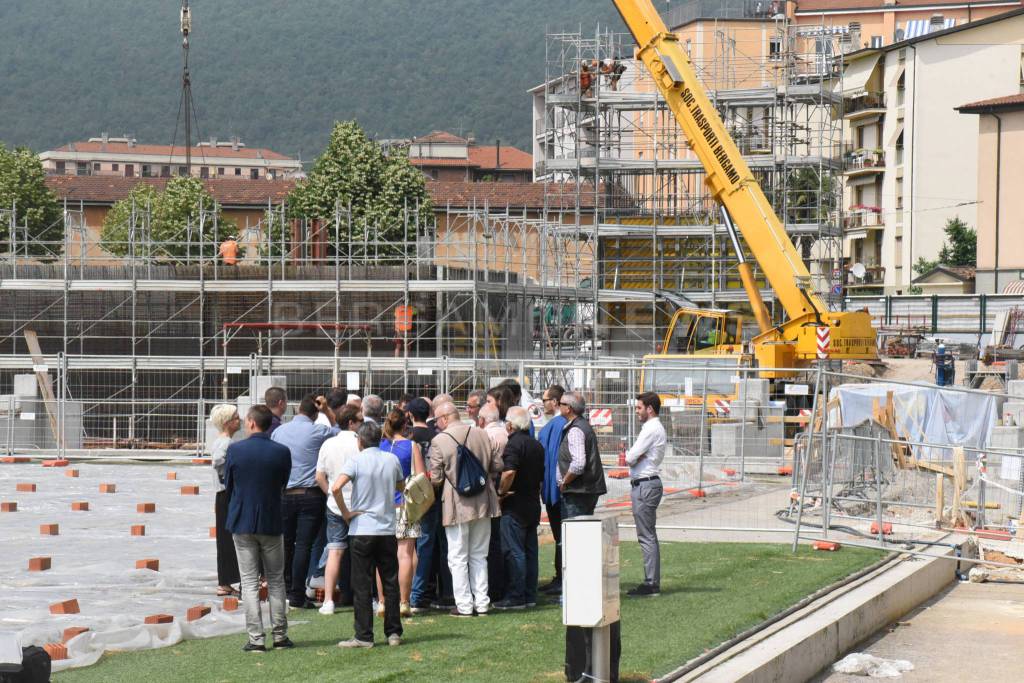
{"type": "Point", "coordinates": [238, 171]}
{"type": "Point", "coordinates": [220, 170]}
{"type": "Point", "coordinates": [775, 49]}
{"type": "Point", "coordinates": [254, 174]}
{"type": "Point", "coordinates": [115, 167]}
{"type": "Point", "coordinates": [82, 168]}
{"type": "Point", "coordinates": [129, 170]}
{"type": "Point", "coordinates": [147, 171]}
{"type": "Point", "coordinates": [204, 172]}
{"type": "Point", "coordinates": [165, 171]}
{"type": "Point", "coordinates": [96, 166]}
{"type": "Point", "coordinates": [183, 170]}
{"type": "Point", "coordinates": [61, 167]}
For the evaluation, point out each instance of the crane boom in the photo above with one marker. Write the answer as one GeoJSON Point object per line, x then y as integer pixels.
{"type": "Point", "coordinates": [733, 185]}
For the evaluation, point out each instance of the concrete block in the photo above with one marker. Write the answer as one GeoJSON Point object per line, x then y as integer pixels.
{"type": "Point", "coordinates": [8, 506]}
{"type": "Point", "coordinates": [1006, 438]}
{"type": "Point", "coordinates": [73, 631]}
{"type": "Point", "coordinates": [65, 607]}
{"type": "Point", "coordinates": [197, 612]}
{"type": "Point", "coordinates": [159, 619]}
{"type": "Point", "coordinates": [49, 529]}
{"type": "Point", "coordinates": [145, 508]}
{"type": "Point", "coordinates": [26, 386]}
{"type": "Point", "coordinates": [39, 564]}
{"type": "Point", "coordinates": [71, 473]}
{"type": "Point", "coordinates": [258, 385]}
{"type": "Point", "coordinates": [151, 564]}
{"type": "Point", "coordinates": [230, 604]}
{"type": "Point", "coordinates": [757, 390]}
{"type": "Point", "coordinates": [25, 488]}
{"type": "Point", "coordinates": [1012, 414]}
{"type": "Point", "coordinates": [9, 404]}
{"type": "Point", "coordinates": [80, 506]}
{"type": "Point", "coordinates": [190, 490]}
{"type": "Point", "coordinates": [1015, 387]}
{"type": "Point", "coordinates": [725, 438]}
{"type": "Point", "coordinates": [138, 530]}
{"type": "Point", "coordinates": [108, 488]}
{"type": "Point", "coordinates": [171, 476]}
{"type": "Point", "coordinates": [57, 651]}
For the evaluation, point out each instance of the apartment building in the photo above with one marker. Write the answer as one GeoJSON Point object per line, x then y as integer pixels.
{"type": "Point", "coordinates": [125, 157]}
{"type": "Point", "coordinates": [1000, 224]}
{"type": "Point", "coordinates": [911, 160]}
{"type": "Point", "coordinates": [445, 157]}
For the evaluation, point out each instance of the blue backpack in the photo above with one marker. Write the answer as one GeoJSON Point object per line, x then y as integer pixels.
{"type": "Point", "coordinates": [470, 476]}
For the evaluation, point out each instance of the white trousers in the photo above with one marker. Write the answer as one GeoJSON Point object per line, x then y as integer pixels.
{"type": "Point", "coordinates": [467, 560]}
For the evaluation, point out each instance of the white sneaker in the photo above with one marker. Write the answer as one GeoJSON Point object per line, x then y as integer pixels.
{"type": "Point", "coordinates": [327, 607]}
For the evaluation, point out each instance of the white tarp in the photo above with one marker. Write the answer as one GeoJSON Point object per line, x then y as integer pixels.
{"type": "Point", "coordinates": [923, 414]}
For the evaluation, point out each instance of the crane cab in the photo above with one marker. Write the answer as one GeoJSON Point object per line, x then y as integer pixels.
{"type": "Point", "coordinates": [704, 332]}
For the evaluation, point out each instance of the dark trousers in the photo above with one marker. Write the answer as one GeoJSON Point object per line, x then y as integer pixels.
{"type": "Point", "coordinates": [371, 554]}
{"type": "Point", "coordinates": [433, 579]}
{"type": "Point", "coordinates": [303, 515]}
{"type": "Point", "coordinates": [227, 560]}
{"type": "Point", "coordinates": [496, 578]}
{"type": "Point", "coordinates": [319, 545]}
{"type": "Point", "coordinates": [578, 504]}
{"type": "Point", "coordinates": [555, 519]}
{"type": "Point", "coordinates": [519, 542]}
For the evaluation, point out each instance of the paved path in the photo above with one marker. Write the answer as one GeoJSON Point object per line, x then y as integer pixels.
{"type": "Point", "coordinates": [973, 631]}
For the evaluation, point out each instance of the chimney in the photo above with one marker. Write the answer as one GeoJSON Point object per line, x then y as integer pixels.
{"type": "Point", "coordinates": [497, 153]}
{"type": "Point", "coordinates": [213, 141]}
{"type": "Point", "coordinates": [105, 137]}
{"type": "Point", "coordinates": [235, 143]}
{"type": "Point", "coordinates": [131, 140]}
{"type": "Point", "coordinates": [855, 34]}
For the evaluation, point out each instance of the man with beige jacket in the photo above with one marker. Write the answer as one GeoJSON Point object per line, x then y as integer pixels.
{"type": "Point", "coordinates": [466, 519]}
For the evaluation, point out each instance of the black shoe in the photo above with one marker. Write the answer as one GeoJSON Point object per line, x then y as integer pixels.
{"type": "Point", "coordinates": [508, 604]}
{"type": "Point", "coordinates": [305, 604]}
{"type": "Point", "coordinates": [253, 647]}
{"type": "Point", "coordinates": [644, 591]}
{"type": "Point", "coordinates": [284, 643]}
{"type": "Point", "coordinates": [443, 606]}
{"type": "Point", "coordinates": [554, 587]}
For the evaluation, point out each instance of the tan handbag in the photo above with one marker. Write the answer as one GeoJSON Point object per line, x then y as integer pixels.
{"type": "Point", "coordinates": [418, 497]}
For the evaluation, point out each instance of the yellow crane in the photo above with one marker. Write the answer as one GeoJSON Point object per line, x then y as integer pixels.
{"type": "Point", "coordinates": [792, 344]}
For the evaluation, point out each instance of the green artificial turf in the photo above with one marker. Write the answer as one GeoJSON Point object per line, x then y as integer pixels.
{"type": "Point", "coordinates": [710, 592]}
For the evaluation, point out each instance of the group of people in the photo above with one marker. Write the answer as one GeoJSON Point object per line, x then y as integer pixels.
{"type": "Point", "coordinates": [414, 509]}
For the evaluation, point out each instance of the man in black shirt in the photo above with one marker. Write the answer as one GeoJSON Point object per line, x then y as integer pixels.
{"type": "Point", "coordinates": [521, 478]}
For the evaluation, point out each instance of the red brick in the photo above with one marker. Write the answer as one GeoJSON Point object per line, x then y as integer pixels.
{"type": "Point", "coordinates": [38, 564]}
{"type": "Point", "coordinates": [264, 594]}
{"type": "Point", "coordinates": [8, 506]}
{"type": "Point", "coordinates": [826, 545]}
{"type": "Point", "coordinates": [230, 604]}
{"type": "Point", "coordinates": [66, 607]}
{"type": "Point", "coordinates": [886, 528]}
{"type": "Point", "coordinates": [197, 612]}
{"type": "Point", "coordinates": [70, 473]}
{"type": "Point", "coordinates": [201, 461]}
{"type": "Point", "coordinates": [321, 594]}
{"type": "Point", "coordinates": [190, 490]}
{"type": "Point", "coordinates": [56, 651]}
{"type": "Point", "coordinates": [213, 532]}
{"type": "Point", "coordinates": [49, 529]}
{"type": "Point", "coordinates": [138, 530]}
{"type": "Point", "coordinates": [73, 631]}
{"type": "Point", "coordinates": [25, 488]}
{"type": "Point", "coordinates": [108, 488]}
{"type": "Point", "coordinates": [15, 459]}
{"type": "Point", "coordinates": [150, 563]}
{"type": "Point", "coordinates": [171, 476]}
{"type": "Point", "coordinates": [159, 619]}
{"type": "Point", "coordinates": [785, 471]}
{"type": "Point", "coordinates": [145, 507]}
{"type": "Point", "coordinates": [80, 506]}
{"type": "Point", "coordinates": [55, 463]}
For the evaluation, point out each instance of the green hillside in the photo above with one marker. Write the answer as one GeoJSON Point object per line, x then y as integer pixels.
{"type": "Point", "coordinates": [278, 73]}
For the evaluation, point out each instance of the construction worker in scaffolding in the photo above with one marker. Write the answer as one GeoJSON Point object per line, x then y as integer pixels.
{"type": "Point", "coordinates": [586, 80]}
{"type": "Point", "coordinates": [229, 251]}
{"type": "Point", "coordinates": [612, 69]}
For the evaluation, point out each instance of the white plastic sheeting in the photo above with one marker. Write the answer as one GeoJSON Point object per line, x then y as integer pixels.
{"type": "Point", "coordinates": [924, 414]}
{"type": "Point", "coordinates": [862, 664]}
{"type": "Point", "coordinates": [94, 555]}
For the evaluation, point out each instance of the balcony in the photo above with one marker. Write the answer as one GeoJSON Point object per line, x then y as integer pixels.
{"type": "Point", "coordinates": [864, 105]}
{"type": "Point", "coordinates": [685, 11]}
{"type": "Point", "coordinates": [873, 280]}
{"type": "Point", "coordinates": [863, 218]}
{"type": "Point", "coordinates": [861, 162]}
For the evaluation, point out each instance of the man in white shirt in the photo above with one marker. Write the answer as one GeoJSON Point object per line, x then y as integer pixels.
{"type": "Point", "coordinates": [334, 453]}
{"type": "Point", "coordinates": [644, 460]}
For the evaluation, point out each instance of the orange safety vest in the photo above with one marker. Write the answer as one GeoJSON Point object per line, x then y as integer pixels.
{"type": "Point", "coordinates": [403, 318]}
{"type": "Point", "coordinates": [229, 251]}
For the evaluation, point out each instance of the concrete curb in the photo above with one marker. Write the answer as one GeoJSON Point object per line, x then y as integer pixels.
{"type": "Point", "coordinates": [804, 643]}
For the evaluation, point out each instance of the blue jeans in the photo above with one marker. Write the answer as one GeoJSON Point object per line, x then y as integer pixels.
{"type": "Point", "coordinates": [578, 504]}
{"type": "Point", "coordinates": [433, 579]}
{"type": "Point", "coordinates": [519, 543]}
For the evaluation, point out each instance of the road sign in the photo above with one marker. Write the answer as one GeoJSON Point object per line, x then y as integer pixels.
{"type": "Point", "coordinates": [837, 289]}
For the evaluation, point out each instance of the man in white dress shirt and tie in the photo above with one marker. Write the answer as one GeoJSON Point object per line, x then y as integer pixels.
{"type": "Point", "coordinates": [644, 460]}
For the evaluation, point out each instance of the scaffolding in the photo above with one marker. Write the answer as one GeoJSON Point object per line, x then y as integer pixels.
{"type": "Point", "coordinates": [604, 135]}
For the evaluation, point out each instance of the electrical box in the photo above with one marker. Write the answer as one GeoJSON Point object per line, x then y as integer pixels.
{"type": "Point", "coordinates": [590, 571]}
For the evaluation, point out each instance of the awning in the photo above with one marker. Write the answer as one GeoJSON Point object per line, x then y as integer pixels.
{"type": "Point", "coordinates": [916, 28]}
{"type": "Point", "coordinates": [858, 73]}
{"type": "Point", "coordinates": [1015, 287]}
{"type": "Point", "coordinates": [896, 133]}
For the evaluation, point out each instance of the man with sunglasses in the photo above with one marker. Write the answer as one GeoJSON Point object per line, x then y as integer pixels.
{"type": "Point", "coordinates": [581, 475]}
{"type": "Point", "coordinates": [551, 438]}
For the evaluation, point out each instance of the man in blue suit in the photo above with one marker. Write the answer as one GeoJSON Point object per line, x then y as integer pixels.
{"type": "Point", "coordinates": [255, 473]}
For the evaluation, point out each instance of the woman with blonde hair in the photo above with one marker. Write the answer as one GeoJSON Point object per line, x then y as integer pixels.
{"type": "Point", "coordinates": [411, 458]}
{"type": "Point", "coordinates": [225, 420]}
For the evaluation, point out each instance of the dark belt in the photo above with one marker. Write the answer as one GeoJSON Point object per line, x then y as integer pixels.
{"type": "Point", "coordinates": [637, 482]}
{"type": "Point", "coordinates": [301, 490]}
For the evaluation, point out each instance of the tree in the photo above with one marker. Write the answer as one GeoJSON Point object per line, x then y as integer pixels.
{"type": "Point", "coordinates": [167, 223]}
{"type": "Point", "coordinates": [354, 174]}
{"type": "Point", "coordinates": [23, 189]}
{"type": "Point", "coordinates": [962, 248]}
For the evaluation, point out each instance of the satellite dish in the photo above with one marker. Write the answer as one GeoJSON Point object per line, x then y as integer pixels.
{"type": "Point", "coordinates": [859, 271]}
